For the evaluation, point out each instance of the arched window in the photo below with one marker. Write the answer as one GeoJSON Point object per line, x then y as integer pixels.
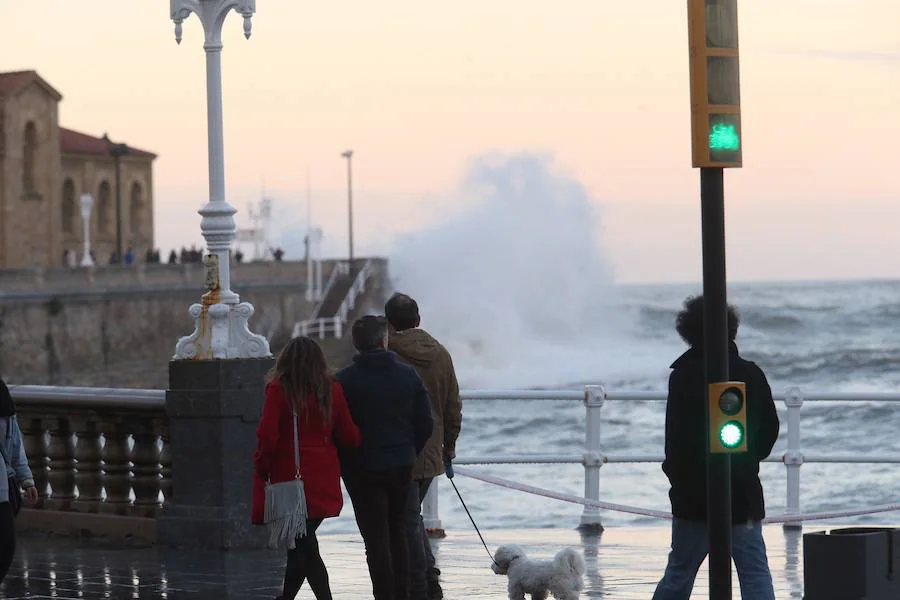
{"type": "Point", "coordinates": [136, 207]}
{"type": "Point", "coordinates": [68, 206]}
{"type": "Point", "coordinates": [29, 158]}
{"type": "Point", "coordinates": [104, 208]}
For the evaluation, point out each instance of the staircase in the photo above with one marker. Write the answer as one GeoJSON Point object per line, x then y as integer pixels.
{"type": "Point", "coordinates": [329, 319]}
{"type": "Point", "coordinates": [335, 295]}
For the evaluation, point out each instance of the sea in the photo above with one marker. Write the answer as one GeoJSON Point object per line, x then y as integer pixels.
{"type": "Point", "coordinates": [519, 285]}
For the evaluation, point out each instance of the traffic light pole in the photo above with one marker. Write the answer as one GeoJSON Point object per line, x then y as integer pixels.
{"type": "Point", "coordinates": [712, 212]}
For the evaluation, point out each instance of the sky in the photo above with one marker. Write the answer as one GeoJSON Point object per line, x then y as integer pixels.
{"type": "Point", "coordinates": [418, 89]}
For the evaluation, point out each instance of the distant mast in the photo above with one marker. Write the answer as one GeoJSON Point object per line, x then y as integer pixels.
{"type": "Point", "coordinates": [257, 235]}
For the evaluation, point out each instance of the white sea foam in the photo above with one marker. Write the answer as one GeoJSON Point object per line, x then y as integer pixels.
{"type": "Point", "coordinates": [517, 283]}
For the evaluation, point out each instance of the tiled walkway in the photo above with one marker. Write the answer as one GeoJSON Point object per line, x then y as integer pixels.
{"type": "Point", "coordinates": [624, 563]}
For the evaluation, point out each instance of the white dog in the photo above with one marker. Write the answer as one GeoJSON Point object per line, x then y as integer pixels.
{"type": "Point", "coordinates": [561, 577]}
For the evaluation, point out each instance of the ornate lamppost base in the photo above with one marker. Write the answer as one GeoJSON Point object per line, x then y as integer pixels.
{"type": "Point", "coordinates": [222, 331]}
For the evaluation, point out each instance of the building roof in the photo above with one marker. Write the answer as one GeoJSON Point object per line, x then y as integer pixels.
{"type": "Point", "coordinates": [71, 142]}
{"type": "Point", "coordinates": [13, 81]}
{"type": "Point", "coordinates": [74, 142]}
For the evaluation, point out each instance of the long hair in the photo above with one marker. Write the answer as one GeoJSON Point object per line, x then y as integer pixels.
{"type": "Point", "coordinates": [303, 373]}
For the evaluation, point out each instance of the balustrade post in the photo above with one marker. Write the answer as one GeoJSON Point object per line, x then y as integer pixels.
{"type": "Point", "coordinates": [145, 458]}
{"type": "Point", "coordinates": [594, 397]}
{"type": "Point", "coordinates": [321, 328]}
{"type": "Point", "coordinates": [431, 517]}
{"type": "Point", "coordinates": [61, 454]}
{"type": "Point", "coordinates": [36, 449]}
{"type": "Point", "coordinates": [117, 467]}
{"type": "Point", "coordinates": [793, 457]}
{"type": "Point", "coordinates": [165, 465]}
{"type": "Point", "coordinates": [89, 466]}
{"type": "Point", "coordinates": [338, 329]}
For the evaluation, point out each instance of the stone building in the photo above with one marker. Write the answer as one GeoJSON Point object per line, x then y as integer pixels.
{"type": "Point", "coordinates": [45, 169]}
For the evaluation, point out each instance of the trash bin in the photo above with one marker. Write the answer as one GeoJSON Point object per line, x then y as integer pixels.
{"type": "Point", "coordinates": [858, 563]}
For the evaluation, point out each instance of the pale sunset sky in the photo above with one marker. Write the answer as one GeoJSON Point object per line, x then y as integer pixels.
{"type": "Point", "coordinates": [418, 88]}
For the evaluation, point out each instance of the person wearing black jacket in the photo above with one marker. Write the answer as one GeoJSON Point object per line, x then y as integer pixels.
{"type": "Point", "coordinates": [685, 465]}
{"type": "Point", "coordinates": [389, 403]}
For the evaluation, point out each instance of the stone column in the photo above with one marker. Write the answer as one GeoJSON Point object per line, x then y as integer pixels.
{"type": "Point", "coordinates": [213, 408]}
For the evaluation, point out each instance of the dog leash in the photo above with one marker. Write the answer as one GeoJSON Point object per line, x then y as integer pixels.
{"type": "Point", "coordinates": [448, 470]}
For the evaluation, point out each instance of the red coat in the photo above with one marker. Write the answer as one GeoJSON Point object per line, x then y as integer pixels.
{"type": "Point", "coordinates": [319, 466]}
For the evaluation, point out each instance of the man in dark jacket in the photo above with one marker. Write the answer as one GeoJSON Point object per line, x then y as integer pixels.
{"type": "Point", "coordinates": [432, 362]}
{"type": "Point", "coordinates": [390, 405]}
{"type": "Point", "coordinates": [685, 465]}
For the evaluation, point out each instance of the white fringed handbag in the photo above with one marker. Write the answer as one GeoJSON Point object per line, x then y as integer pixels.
{"type": "Point", "coordinates": [286, 504]}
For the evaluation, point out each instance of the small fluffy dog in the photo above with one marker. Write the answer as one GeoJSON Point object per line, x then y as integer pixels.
{"type": "Point", "coordinates": [560, 577]}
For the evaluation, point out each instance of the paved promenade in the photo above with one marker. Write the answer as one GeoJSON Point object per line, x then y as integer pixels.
{"type": "Point", "coordinates": [624, 563]}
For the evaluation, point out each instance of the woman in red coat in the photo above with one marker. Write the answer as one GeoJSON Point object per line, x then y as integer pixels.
{"type": "Point", "coordinates": [300, 382]}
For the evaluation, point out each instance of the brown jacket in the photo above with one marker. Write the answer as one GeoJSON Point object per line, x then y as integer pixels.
{"type": "Point", "coordinates": [432, 362]}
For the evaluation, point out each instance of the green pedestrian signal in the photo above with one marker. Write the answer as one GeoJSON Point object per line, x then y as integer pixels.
{"type": "Point", "coordinates": [724, 137]}
{"type": "Point", "coordinates": [731, 434]}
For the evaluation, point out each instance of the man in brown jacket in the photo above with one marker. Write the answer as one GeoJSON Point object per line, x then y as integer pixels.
{"type": "Point", "coordinates": [434, 365]}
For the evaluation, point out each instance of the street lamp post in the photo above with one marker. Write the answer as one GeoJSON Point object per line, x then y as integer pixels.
{"type": "Point", "coordinates": [349, 156]}
{"type": "Point", "coordinates": [87, 202]}
{"type": "Point", "coordinates": [221, 321]}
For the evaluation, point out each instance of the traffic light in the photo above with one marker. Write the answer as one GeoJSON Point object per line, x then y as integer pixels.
{"type": "Point", "coordinates": [715, 84]}
{"type": "Point", "coordinates": [727, 417]}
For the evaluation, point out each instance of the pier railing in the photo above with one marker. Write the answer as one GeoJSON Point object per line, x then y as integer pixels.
{"type": "Point", "coordinates": [102, 451]}
{"type": "Point", "coordinates": [594, 455]}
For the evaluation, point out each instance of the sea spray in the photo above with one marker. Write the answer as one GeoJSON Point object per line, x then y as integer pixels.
{"type": "Point", "coordinates": [517, 283]}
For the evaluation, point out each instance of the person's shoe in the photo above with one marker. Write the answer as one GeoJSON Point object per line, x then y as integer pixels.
{"type": "Point", "coordinates": [434, 591]}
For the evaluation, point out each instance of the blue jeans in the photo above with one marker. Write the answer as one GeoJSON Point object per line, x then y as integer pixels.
{"type": "Point", "coordinates": [690, 545]}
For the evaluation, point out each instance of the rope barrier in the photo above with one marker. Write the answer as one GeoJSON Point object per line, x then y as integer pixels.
{"type": "Point", "coordinates": [658, 514]}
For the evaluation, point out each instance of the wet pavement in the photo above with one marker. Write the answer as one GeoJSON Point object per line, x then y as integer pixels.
{"type": "Point", "coordinates": [623, 563]}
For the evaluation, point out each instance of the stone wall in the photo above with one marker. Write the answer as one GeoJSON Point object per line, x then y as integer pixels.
{"type": "Point", "coordinates": [120, 338]}
{"type": "Point", "coordinates": [117, 326]}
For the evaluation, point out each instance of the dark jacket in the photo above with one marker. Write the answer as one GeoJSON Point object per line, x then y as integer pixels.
{"type": "Point", "coordinates": [390, 405]}
{"type": "Point", "coordinates": [687, 433]}
{"type": "Point", "coordinates": [433, 364]}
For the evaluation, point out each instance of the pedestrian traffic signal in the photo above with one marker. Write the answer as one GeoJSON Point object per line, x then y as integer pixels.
{"type": "Point", "coordinates": [727, 417]}
{"type": "Point", "coordinates": [715, 84]}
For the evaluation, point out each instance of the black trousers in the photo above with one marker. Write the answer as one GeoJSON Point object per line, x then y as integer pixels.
{"type": "Point", "coordinates": [305, 563]}
{"type": "Point", "coordinates": [379, 501]}
{"type": "Point", "coordinates": [7, 538]}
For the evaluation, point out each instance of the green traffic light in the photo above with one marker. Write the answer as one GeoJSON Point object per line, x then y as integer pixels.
{"type": "Point", "coordinates": [724, 137]}
{"type": "Point", "coordinates": [731, 434]}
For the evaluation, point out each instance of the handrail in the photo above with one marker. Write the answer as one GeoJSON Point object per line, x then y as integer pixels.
{"type": "Point", "coordinates": [356, 288]}
{"type": "Point", "coordinates": [334, 325]}
{"type": "Point", "coordinates": [90, 397]}
{"type": "Point", "coordinates": [338, 270]}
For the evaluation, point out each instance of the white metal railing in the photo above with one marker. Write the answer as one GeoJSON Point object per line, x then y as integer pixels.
{"type": "Point", "coordinates": [333, 326]}
{"type": "Point", "coordinates": [340, 268]}
{"type": "Point", "coordinates": [593, 458]}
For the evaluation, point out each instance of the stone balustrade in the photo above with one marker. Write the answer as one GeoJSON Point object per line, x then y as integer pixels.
{"type": "Point", "coordinates": [96, 450]}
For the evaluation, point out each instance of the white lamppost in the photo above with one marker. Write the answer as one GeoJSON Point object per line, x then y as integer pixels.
{"type": "Point", "coordinates": [221, 322]}
{"type": "Point", "coordinates": [87, 202]}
